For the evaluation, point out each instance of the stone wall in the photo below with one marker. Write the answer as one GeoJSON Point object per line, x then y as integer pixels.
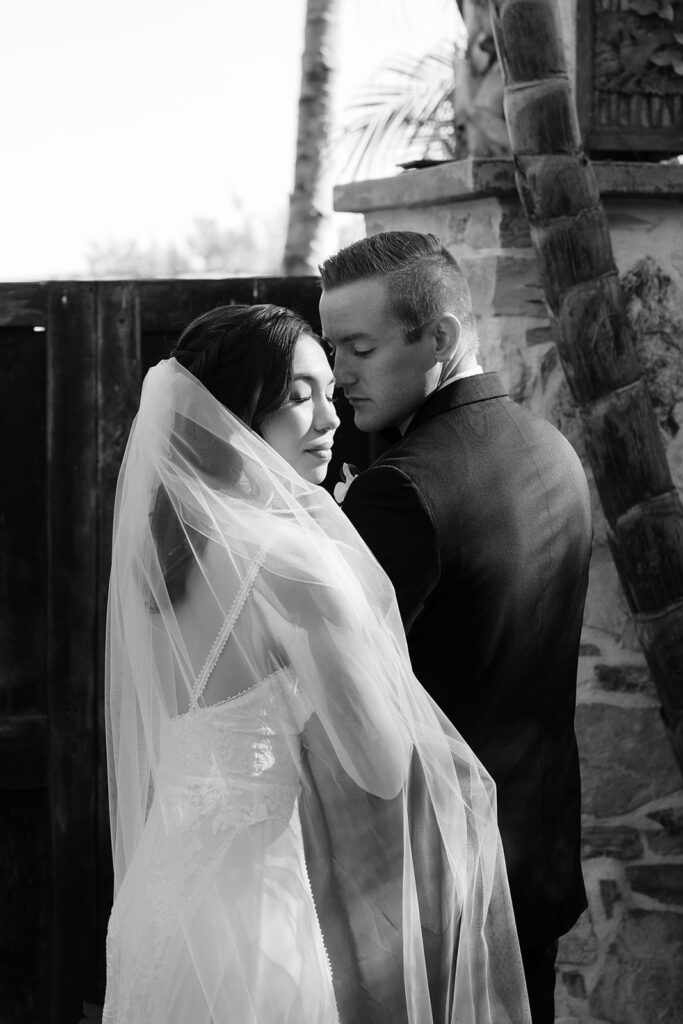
{"type": "Point", "coordinates": [623, 961]}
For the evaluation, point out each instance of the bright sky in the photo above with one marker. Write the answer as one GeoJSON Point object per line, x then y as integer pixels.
{"type": "Point", "coordinates": [130, 118]}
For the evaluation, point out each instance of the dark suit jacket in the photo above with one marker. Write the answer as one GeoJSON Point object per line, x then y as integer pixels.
{"type": "Point", "coordinates": [480, 515]}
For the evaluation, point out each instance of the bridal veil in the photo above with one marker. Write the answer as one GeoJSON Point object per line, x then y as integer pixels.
{"type": "Point", "coordinates": [230, 573]}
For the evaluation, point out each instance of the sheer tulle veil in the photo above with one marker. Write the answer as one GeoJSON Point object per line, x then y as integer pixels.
{"type": "Point", "coordinates": [215, 535]}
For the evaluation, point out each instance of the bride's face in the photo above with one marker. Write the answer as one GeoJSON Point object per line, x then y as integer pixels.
{"type": "Point", "coordinates": [302, 430]}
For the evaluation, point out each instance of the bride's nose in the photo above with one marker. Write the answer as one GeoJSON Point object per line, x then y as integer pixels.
{"type": "Point", "coordinates": [325, 415]}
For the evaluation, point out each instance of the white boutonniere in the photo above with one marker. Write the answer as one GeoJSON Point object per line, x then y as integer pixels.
{"type": "Point", "coordinates": [349, 474]}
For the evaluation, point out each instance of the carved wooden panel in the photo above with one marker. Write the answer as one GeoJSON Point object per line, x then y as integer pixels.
{"type": "Point", "coordinates": [629, 75]}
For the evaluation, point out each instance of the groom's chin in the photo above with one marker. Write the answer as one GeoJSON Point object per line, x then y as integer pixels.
{"type": "Point", "coordinates": [362, 420]}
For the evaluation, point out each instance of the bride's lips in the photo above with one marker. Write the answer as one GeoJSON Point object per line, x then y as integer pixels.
{"type": "Point", "coordinates": [320, 451]}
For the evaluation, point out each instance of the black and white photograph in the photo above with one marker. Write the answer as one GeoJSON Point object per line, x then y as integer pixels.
{"type": "Point", "coordinates": [341, 541]}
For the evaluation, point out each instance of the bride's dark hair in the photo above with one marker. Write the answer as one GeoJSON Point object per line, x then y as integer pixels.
{"type": "Point", "coordinates": [243, 356]}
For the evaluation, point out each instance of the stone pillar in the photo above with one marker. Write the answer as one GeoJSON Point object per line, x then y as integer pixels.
{"type": "Point", "coordinates": [623, 961]}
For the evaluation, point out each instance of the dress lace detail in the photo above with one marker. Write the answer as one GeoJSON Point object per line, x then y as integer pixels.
{"type": "Point", "coordinates": [239, 759]}
{"type": "Point", "coordinates": [223, 769]}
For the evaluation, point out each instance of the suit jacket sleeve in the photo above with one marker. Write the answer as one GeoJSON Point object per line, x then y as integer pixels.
{"type": "Point", "coordinates": [392, 517]}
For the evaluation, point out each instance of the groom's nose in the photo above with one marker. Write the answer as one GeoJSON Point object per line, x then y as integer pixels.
{"type": "Point", "coordinates": [342, 370]}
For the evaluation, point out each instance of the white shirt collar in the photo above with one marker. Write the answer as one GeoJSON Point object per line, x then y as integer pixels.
{"type": "Point", "coordinates": [465, 373]}
{"type": "Point", "coordinates": [449, 380]}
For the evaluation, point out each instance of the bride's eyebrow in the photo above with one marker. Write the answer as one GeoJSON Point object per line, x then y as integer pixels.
{"type": "Point", "coordinates": [309, 378]}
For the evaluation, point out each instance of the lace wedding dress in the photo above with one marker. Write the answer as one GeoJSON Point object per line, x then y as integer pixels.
{"type": "Point", "coordinates": [248, 932]}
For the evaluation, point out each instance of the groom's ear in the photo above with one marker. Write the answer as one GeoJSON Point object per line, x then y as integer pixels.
{"type": "Point", "coordinates": [446, 332]}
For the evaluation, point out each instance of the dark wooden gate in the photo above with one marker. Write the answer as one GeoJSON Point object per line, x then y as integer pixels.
{"type": "Point", "coordinates": [72, 357]}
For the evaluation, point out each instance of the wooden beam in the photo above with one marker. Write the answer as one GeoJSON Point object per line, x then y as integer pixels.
{"type": "Point", "coordinates": [71, 479]}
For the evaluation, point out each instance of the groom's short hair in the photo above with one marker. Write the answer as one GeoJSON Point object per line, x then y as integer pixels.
{"type": "Point", "coordinates": [423, 278]}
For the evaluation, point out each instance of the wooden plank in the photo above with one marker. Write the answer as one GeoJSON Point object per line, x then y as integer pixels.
{"type": "Point", "coordinates": [23, 752]}
{"type": "Point", "coordinates": [23, 553]}
{"type": "Point", "coordinates": [23, 304]}
{"type": "Point", "coordinates": [171, 305]}
{"type": "Point", "coordinates": [24, 822]}
{"type": "Point", "coordinates": [301, 294]}
{"type": "Point", "coordinates": [72, 549]}
{"type": "Point", "coordinates": [118, 392]}
{"type": "Point", "coordinates": [25, 908]}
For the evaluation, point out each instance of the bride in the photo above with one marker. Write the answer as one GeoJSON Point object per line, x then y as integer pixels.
{"type": "Point", "coordinates": [299, 835]}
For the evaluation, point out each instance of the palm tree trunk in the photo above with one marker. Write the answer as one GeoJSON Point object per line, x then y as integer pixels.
{"type": "Point", "coordinates": [310, 204]}
{"type": "Point", "coordinates": [571, 238]}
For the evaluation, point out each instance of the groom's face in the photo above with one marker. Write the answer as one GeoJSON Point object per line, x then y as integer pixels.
{"type": "Point", "coordinates": [384, 377]}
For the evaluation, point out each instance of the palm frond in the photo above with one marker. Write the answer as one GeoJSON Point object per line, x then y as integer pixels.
{"type": "Point", "coordinates": [405, 113]}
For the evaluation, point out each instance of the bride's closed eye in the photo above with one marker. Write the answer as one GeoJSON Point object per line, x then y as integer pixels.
{"type": "Point", "coordinates": [305, 396]}
{"type": "Point", "coordinates": [300, 396]}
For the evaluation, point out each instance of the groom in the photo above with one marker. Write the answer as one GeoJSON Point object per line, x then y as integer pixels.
{"type": "Point", "coordinates": [479, 513]}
